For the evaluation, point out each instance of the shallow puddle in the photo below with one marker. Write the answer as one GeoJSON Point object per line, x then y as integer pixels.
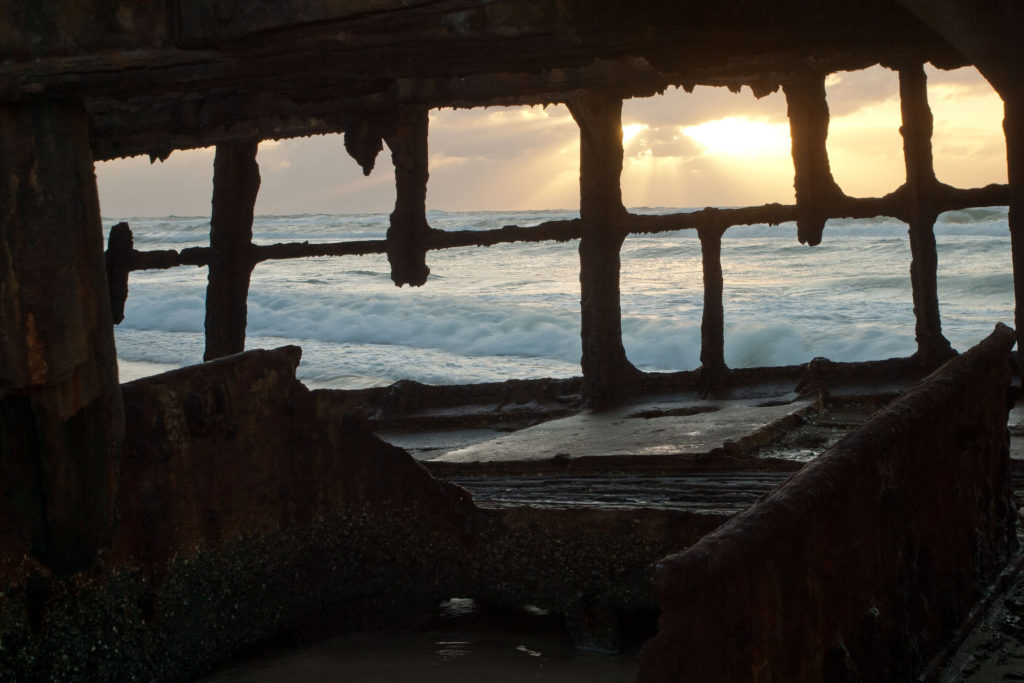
{"type": "Point", "coordinates": [463, 644]}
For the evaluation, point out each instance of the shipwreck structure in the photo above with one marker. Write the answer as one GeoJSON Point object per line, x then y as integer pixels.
{"type": "Point", "coordinates": [155, 528]}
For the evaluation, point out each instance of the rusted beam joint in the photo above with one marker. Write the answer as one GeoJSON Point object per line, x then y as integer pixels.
{"type": "Point", "coordinates": [919, 195]}
{"type": "Point", "coordinates": [816, 191]}
{"type": "Point", "coordinates": [409, 234]}
{"type": "Point", "coordinates": [236, 182]}
{"type": "Point", "coordinates": [714, 372]}
{"type": "Point", "coordinates": [604, 363]}
{"type": "Point", "coordinates": [61, 412]}
{"type": "Point", "coordinates": [916, 129]}
{"type": "Point", "coordinates": [607, 374]}
{"type": "Point", "coordinates": [892, 205]}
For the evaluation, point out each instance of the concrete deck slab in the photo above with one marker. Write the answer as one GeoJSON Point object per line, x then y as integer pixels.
{"type": "Point", "coordinates": [657, 426]}
{"type": "Point", "coordinates": [424, 445]}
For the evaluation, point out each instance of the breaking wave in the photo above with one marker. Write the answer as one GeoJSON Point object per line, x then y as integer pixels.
{"type": "Point", "coordinates": [513, 310]}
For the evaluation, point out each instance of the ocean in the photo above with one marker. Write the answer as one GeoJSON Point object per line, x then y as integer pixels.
{"type": "Point", "coordinates": [512, 311]}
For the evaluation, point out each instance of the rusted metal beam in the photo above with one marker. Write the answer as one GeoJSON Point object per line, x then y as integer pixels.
{"type": "Point", "coordinates": [556, 231]}
{"type": "Point", "coordinates": [768, 214]}
{"type": "Point", "coordinates": [714, 371]}
{"type": "Point", "coordinates": [236, 181]}
{"type": "Point", "coordinates": [932, 347]}
{"type": "Point", "coordinates": [158, 78]}
{"type": "Point", "coordinates": [893, 205]}
{"type": "Point", "coordinates": [407, 237]}
{"type": "Point", "coordinates": [816, 190]}
{"type": "Point", "coordinates": [986, 32]}
{"type": "Point", "coordinates": [447, 39]}
{"type": "Point", "coordinates": [269, 252]}
{"type": "Point", "coordinates": [606, 371]}
{"type": "Point", "coordinates": [118, 258]}
{"type": "Point", "coordinates": [61, 416]}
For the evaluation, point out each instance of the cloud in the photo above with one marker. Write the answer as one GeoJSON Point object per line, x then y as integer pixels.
{"type": "Point", "coordinates": [528, 157]}
{"type": "Point", "coordinates": [180, 186]}
{"type": "Point", "coordinates": [500, 134]}
{"type": "Point", "coordinates": [968, 78]}
{"type": "Point", "coordinates": [849, 92]}
{"type": "Point", "coordinates": [316, 175]}
{"type": "Point", "coordinates": [968, 146]}
{"type": "Point", "coordinates": [661, 121]}
{"type": "Point", "coordinates": [706, 181]}
{"type": "Point", "coordinates": [677, 108]}
{"type": "Point", "coordinates": [740, 136]}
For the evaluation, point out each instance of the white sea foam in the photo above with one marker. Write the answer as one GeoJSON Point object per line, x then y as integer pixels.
{"type": "Point", "coordinates": [513, 310]}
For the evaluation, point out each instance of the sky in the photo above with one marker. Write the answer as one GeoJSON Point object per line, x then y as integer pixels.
{"type": "Point", "coordinates": [711, 147]}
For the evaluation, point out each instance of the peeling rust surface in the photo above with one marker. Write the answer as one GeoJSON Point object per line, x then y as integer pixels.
{"type": "Point", "coordinates": [248, 509]}
{"type": "Point", "coordinates": [285, 69]}
{"type": "Point", "coordinates": [881, 545]}
{"type": "Point", "coordinates": [606, 371]}
{"type": "Point", "coordinates": [60, 406]}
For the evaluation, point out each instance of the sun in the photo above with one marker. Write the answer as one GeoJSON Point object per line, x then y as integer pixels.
{"type": "Point", "coordinates": [739, 136]}
{"type": "Point", "coordinates": [631, 130]}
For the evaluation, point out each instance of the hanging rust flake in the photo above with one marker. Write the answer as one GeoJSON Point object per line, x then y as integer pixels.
{"type": "Point", "coordinates": [816, 190]}
{"type": "Point", "coordinates": [409, 232]}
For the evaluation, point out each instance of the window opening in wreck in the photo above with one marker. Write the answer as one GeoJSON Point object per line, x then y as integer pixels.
{"type": "Point", "coordinates": [167, 205]}
{"type": "Point", "coordinates": [711, 147]}
{"type": "Point", "coordinates": [966, 155]}
{"type": "Point", "coordinates": [975, 274]}
{"type": "Point", "coordinates": [690, 150]}
{"type": "Point", "coordinates": [509, 310]}
{"type": "Point", "coordinates": [861, 264]}
{"type": "Point", "coordinates": [512, 310]}
{"type": "Point", "coordinates": [312, 191]}
{"type": "Point", "coordinates": [865, 150]}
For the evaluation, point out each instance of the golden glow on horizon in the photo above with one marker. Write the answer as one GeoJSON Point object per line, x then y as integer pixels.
{"type": "Point", "coordinates": [740, 136]}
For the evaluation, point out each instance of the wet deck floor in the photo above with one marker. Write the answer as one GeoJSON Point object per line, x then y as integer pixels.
{"type": "Point", "coordinates": [673, 425]}
{"type": "Point", "coordinates": [668, 424]}
{"type": "Point", "coordinates": [670, 451]}
{"type": "Point", "coordinates": [466, 644]}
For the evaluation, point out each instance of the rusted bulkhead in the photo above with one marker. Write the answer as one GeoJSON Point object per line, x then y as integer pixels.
{"type": "Point", "coordinates": [243, 515]}
{"type": "Point", "coordinates": [866, 562]}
